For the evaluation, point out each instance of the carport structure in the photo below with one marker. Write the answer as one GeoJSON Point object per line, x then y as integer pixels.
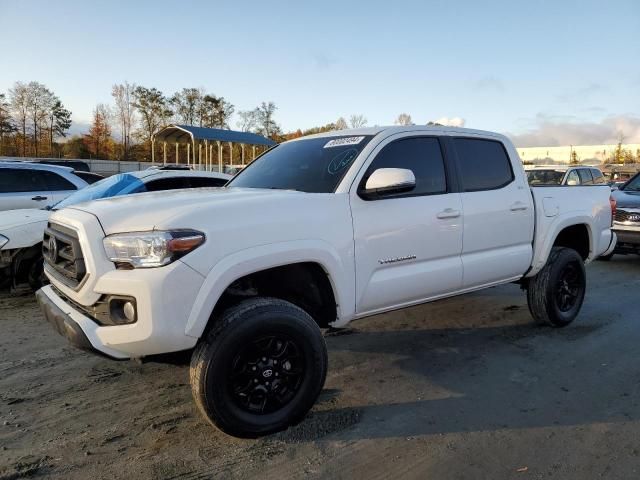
{"type": "Point", "coordinates": [198, 144]}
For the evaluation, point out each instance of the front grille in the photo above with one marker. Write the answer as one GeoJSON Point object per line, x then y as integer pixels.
{"type": "Point", "coordinates": [624, 216]}
{"type": "Point", "coordinates": [63, 255]}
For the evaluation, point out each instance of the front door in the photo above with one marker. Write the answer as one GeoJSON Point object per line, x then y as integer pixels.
{"type": "Point", "coordinates": [408, 245]}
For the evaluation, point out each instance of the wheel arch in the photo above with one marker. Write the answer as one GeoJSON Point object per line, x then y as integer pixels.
{"type": "Point", "coordinates": [571, 232]}
{"type": "Point", "coordinates": [322, 271]}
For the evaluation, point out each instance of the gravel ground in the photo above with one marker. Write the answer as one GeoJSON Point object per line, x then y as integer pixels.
{"type": "Point", "coordinates": [462, 388]}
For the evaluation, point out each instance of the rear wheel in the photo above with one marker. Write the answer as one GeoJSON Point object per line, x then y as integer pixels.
{"type": "Point", "coordinates": [556, 293]}
{"type": "Point", "coordinates": [260, 369]}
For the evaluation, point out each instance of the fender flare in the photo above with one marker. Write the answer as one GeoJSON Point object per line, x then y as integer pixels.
{"type": "Point", "coordinates": [255, 259]}
{"type": "Point", "coordinates": [541, 253]}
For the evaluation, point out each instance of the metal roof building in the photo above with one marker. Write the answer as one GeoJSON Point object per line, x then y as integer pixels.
{"type": "Point", "coordinates": [199, 143]}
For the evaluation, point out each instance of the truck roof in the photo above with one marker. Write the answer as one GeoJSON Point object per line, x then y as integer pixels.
{"type": "Point", "coordinates": [434, 129]}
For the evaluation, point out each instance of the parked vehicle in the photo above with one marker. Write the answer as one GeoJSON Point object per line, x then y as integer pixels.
{"type": "Point", "coordinates": [36, 185]}
{"type": "Point", "coordinates": [539, 176]}
{"type": "Point", "coordinates": [316, 232]}
{"type": "Point", "coordinates": [626, 223]}
{"type": "Point", "coordinates": [21, 231]}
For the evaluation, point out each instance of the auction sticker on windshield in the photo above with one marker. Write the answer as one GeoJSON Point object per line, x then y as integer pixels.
{"type": "Point", "coordinates": [340, 142]}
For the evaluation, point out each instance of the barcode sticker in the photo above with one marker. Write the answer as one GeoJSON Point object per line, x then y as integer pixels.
{"type": "Point", "coordinates": [341, 142]}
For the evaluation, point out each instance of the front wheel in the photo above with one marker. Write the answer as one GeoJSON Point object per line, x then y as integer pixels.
{"type": "Point", "coordinates": [556, 293]}
{"type": "Point", "coordinates": [260, 369]}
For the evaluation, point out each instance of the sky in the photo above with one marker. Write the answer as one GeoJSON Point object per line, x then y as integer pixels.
{"type": "Point", "coordinates": [543, 72]}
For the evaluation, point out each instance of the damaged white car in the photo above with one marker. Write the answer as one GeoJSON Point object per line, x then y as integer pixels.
{"type": "Point", "coordinates": [21, 231]}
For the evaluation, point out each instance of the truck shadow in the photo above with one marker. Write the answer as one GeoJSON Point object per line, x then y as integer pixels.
{"type": "Point", "coordinates": [416, 380]}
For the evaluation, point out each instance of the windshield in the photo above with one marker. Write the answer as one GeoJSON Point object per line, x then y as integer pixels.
{"type": "Point", "coordinates": [120, 184]}
{"type": "Point", "coordinates": [633, 185]}
{"type": "Point", "coordinates": [545, 177]}
{"type": "Point", "coordinates": [315, 165]}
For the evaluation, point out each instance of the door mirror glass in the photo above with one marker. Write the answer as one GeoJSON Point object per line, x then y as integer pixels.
{"type": "Point", "coordinates": [572, 182]}
{"type": "Point", "coordinates": [386, 181]}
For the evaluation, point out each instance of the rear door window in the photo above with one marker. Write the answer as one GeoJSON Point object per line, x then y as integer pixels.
{"type": "Point", "coordinates": [484, 164]}
{"type": "Point", "coordinates": [598, 177]}
{"type": "Point", "coordinates": [55, 182]}
{"type": "Point", "coordinates": [585, 176]}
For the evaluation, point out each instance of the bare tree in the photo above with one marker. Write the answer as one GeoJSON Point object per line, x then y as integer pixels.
{"type": "Point", "coordinates": [357, 121]}
{"type": "Point", "coordinates": [7, 126]}
{"type": "Point", "coordinates": [40, 101]}
{"type": "Point", "coordinates": [19, 102]}
{"type": "Point", "coordinates": [341, 124]}
{"type": "Point", "coordinates": [266, 125]}
{"type": "Point", "coordinates": [125, 113]}
{"type": "Point", "coordinates": [404, 119]}
{"type": "Point", "coordinates": [247, 121]}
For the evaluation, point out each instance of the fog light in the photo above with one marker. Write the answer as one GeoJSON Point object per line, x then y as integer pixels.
{"type": "Point", "coordinates": [129, 311]}
{"type": "Point", "coordinates": [122, 310]}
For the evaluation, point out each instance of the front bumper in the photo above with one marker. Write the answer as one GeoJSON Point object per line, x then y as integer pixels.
{"type": "Point", "coordinates": [63, 323]}
{"type": "Point", "coordinates": [628, 239]}
{"type": "Point", "coordinates": [164, 298]}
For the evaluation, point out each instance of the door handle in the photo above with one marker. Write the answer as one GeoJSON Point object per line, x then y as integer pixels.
{"type": "Point", "coordinates": [38, 198]}
{"type": "Point", "coordinates": [448, 213]}
{"type": "Point", "coordinates": [518, 206]}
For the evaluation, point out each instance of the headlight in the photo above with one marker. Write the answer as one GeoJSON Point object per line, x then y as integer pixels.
{"type": "Point", "coordinates": [151, 249]}
{"type": "Point", "coordinates": [3, 241]}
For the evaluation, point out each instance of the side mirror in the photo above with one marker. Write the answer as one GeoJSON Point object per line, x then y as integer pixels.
{"type": "Point", "coordinates": [572, 183]}
{"type": "Point", "coordinates": [385, 181]}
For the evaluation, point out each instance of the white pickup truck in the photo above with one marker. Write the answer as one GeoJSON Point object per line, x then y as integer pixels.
{"type": "Point", "coordinates": [316, 232]}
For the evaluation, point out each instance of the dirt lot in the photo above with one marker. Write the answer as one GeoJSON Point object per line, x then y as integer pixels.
{"type": "Point", "coordinates": [462, 388]}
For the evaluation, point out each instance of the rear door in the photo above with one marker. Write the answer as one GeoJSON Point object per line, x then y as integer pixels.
{"type": "Point", "coordinates": [407, 245]}
{"type": "Point", "coordinates": [23, 188]}
{"type": "Point", "coordinates": [498, 213]}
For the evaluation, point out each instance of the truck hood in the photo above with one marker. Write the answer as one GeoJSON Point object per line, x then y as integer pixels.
{"type": "Point", "coordinates": [627, 199]}
{"type": "Point", "coordinates": [147, 211]}
{"type": "Point", "coordinates": [15, 218]}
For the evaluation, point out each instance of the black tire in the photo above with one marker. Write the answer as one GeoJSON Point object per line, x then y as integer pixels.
{"type": "Point", "coordinates": [606, 258]}
{"type": "Point", "coordinates": [556, 293]}
{"type": "Point", "coordinates": [232, 366]}
{"type": "Point", "coordinates": [36, 277]}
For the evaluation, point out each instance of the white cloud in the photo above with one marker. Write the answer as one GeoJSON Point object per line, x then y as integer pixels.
{"type": "Point", "coordinates": [554, 131]}
{"type": "Point", "coordinates": [451, 122]}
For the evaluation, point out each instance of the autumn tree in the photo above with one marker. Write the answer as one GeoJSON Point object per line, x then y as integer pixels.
{"type": "Point", "coordinates": [123, 94]}
{"type": "Point", "coordinates": [154, 110]}
{"type": "Point", "coordinates": [357, 121]}
{"type": "Point", "coordinates": [404, 119]}
{"type": "Point", "coordinates": [187, 104]}
{"type": "Point", "coordinates": [574, 158]}
{"type": "Point", "coordinates": [215, 112]}
{"type": "Point", "coordinates": [99, 136]}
